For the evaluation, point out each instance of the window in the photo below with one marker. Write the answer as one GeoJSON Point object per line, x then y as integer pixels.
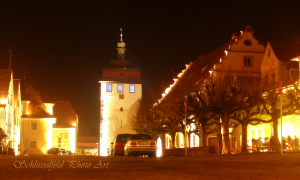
{"type": "Point", "coordinates": [63, 135]}
{"type": "Point", "coordinates": [108, 88]}
{"type": "Point", "coordinates": [131, 88]}
{"type": "Point", "coordinates": [248, 61]}
{"type": "Point", "coordinates": [269, 52]}
{"type": "Point", "coordinates": [120, 88]}
{"type": "Point", "coordinates": [121, 108]}
{"type": "Point", "coordinates": [247, 42]}
{"type": "Point", "coordinates": [38, 107]}
{"type": "Point", "coordinates": [66, 135]}
{"type": "Point", "coordinates": [33, 126]}
{"type": "Point", "coordinates": [32, 144]}
{"type": "Point", "coordinates": [121, 96]}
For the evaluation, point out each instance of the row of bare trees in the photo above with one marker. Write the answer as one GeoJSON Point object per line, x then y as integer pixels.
{"type": "Point", "coordinates": [215, 105]}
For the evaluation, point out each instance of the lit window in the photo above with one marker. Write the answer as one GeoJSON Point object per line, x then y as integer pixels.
{"type": "Point", "coordinates": [108, 88]}
{"type": "Point", "coordinates": [66, 135]}
{"type": "Point", "coordinates": [33, 126]}
{"type": "Point", "coordinates": [120, 88]}
{"type": "Point", "coordinates": [131, 88]}
{"type": "Point", "coordinates": [32, 144]}
{"type": "Point", "coordinates": [63, 135]}
{"type": "Point", "coordinates": [248, 61]}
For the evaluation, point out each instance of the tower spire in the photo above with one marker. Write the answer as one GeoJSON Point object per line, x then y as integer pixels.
{"type": "Point", "coordinates": [121, 35]}
{"type": "Point", "coordinates": [121, 47]}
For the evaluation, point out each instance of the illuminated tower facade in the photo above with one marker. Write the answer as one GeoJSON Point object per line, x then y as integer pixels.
{"type": "Point", "coordinates": [120, 91]}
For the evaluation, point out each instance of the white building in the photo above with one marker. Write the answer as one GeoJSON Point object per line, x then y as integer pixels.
{"type": "Point", "coordinates": [10, 109]}
{"type": "Point", "coordinates": [120, 91]}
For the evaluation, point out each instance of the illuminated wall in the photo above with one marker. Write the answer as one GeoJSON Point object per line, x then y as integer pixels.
{"type": "Point", "coordinates": [68, 138]}
{"type": "Point", "coordinates": [117, 113]}
{"type": "Point", "coordinates": [234, 56]}
{"type": "Point", "coordinates": [42, 135]}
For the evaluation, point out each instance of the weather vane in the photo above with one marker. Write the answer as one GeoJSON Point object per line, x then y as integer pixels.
{"type": "Point", "coordinates": [121, 34]}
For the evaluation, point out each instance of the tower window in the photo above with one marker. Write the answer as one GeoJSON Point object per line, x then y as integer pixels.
{"type": "Point", "coordinates": [108, 88]}
{"type": "Point", "coordinates": [131, 88]}
{"type": "Point", "coordinates": [121, 108]}
{"type": "Point", "coordinates": [120, 88]}
{"type": "Point", "coordinates": [248, 61]}
{"type": "Point", "coordinates": [121, 96]}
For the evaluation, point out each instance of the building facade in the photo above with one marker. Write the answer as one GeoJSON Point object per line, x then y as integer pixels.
{"type": "Point", "coordinates": [10, 109]}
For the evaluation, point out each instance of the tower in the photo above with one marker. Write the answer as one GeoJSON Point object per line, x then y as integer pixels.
{"type": "Point", "coordinates": [120, 91]}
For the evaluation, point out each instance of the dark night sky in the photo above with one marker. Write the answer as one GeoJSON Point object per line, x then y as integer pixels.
{"type": "Point", "coordinates": [65, 44]}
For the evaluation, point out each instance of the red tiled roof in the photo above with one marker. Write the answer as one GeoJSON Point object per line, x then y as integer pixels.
{"type": "Point", "coordinates": [120, 64]}
{"type": "Point", "coordinates": [285, 51]}
{"type": "Point", "coordinates": [200, 69]}
{"type": "Point", "coordinates": [121, 71]}
{"type": "Point", "coordinates": [64, 113]}
{"type": "Point", "coordinates": [35, 99]}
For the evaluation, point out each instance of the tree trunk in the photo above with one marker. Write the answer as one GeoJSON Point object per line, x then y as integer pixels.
{"type": "Point", "coordinates": [173, 139]}
{"type": "Point", "coordinates": [225, 134]}
{"type": "Point", "coordinates": [163, 143]}
{"type": "Point", "coordinates": [276, 141]}
{"type": "Point", "coordinates": [244, 137]}
{"type": "Point", "coordinates": [203, 134]}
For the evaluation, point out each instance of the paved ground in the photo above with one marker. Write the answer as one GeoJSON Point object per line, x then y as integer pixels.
{"type": "Point", "coordinates": [240, 166]}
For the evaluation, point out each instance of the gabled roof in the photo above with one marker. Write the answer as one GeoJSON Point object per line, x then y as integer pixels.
{"type": "Point", "coordinates": [16, 89]}
{"type": "Point", "coordinates": [34, 97]}
{"type": "Point", "coordinates": [117, 64]}
{"type": "Point", "coordinates": [200, 69]}
{"type": "Point", "coordinates": [64, 113]}
{"type": "Point", "coordinates": [285, 51]}
{"type": "Point", "coordinates": [5, 78]}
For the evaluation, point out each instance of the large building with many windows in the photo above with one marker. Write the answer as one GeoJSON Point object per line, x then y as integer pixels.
{"type": "Point", "coordinates": [120, 91]}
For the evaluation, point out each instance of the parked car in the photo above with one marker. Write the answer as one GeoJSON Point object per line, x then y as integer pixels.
{"type": "Point", "coordinates": [118, 145]}
{"type": "Point", "coordinates": [140, 144]}
{"type": "Point", "coordinates": [69, 153]}
{"type": "Point", "coordinates": [11, 151]}
{"type": "Point", "coordinates": [54, 151]}
{"type": "Point", "coordinates": [63, 152]}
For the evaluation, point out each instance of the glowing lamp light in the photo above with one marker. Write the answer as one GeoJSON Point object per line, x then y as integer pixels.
{"type": "Point", "coordinates": [220, 60]}
{"type": "Point", "coordinates": [74, 124]}
{"type": "Point", "coordinates": [226, 52]}
{"type": "Point", "coordinates": [3, 101]}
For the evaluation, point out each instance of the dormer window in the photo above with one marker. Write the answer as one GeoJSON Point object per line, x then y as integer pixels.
{"type": "Point", "coordinates": [38, 107]}
{"type": "Point", "coordinates": [247, 42]}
